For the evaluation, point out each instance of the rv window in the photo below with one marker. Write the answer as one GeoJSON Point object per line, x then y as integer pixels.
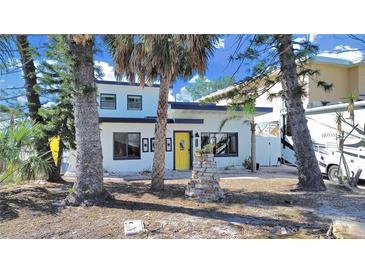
{"type": "Point", "coordinates": [107, 101]}
{"type": "Point", "coordinates": [127, 146]}
{"type": "Point", "coordinates": [288, 127]}
{"type": "Point", "coordinates": [225, 144]}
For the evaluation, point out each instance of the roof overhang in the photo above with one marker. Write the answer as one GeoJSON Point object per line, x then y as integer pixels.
{"type": "Point", "coordinates": [148, 120]}
{"type": "Point", "coordinates": [210, 107]}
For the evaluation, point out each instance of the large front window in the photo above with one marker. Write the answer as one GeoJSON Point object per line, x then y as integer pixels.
{"type": "Point", "coordinates": [127, 145]}
{"type": "Point", "coordinates": [225, 144]}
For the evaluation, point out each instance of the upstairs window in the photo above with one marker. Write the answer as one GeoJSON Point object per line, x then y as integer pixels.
{"type": "Point", "coordinates": [127, 145]}
{"type": "Point", "coordinates": [107, 101]}
{"type": "Point", "coordinates": [134, 102]}
{"type": "Point", "coordinates": [225, 144]}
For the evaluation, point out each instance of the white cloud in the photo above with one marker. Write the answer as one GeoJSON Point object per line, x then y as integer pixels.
{"type": "Point", "coordinates": [344, 52]}
{"type": "Point", "coordinates": [49, 104]}
{"type": "Point", "coordinates": [196, 77]}
{"type": "Point", "coordinates": [108, 72]}
{"type": "Point", "coordinates": [220, 43]}
{"type": "Point", "coordinates": [298, 40]}
{"type": "Point", "coordinates": [171, 96]}
{"type": "Point", "coordinates": [309, 37]}
{"type": "Point", "coordinates": [183, 95]}
{"type": "Point", "coordinates": [107, 69]}
{"type": "Point", "coordinates": [22, 100]}
{"type": "Point", "coordinates": [193, 80]}
{"type": "Point", "coordinates": [312, 37]}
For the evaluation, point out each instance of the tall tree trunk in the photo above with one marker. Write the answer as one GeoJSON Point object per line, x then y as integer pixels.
{"type": "Point", "coordinates": [253, 145]}
{"type": "Point", "coordinates": [34, 104]}
{"type": "Point", "coordinates": [158, 168]}
{"type": "Point", "coordinates": [88, 187]}
{"type": "Point", "coordinates": [309, 174]}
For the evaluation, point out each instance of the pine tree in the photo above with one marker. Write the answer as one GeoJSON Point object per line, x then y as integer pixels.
{"type": "Point", "coordinates": [55, 83]}
{"type": "Point", "coordinates": [88, 187]}
{"type": "Point", "coordinates": [275, 61]}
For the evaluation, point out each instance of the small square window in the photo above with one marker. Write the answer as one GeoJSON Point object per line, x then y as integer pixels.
{"type": "Point", "coordinates": [107, 101]}
{"type": "Point", "coordinates": [134, 102]}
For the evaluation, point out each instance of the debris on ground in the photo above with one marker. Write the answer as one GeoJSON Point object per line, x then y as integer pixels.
{"type": "Point", "coordinates": [250, 210]}
{"type": "Point", "coordinates": [132, 227]}
{"type": "Point", "coordinates": [341, 229]}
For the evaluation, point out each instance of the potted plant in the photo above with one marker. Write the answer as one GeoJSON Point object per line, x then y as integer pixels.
{"type": "Point", "coordinates": [199, 152]}
{"type": "Point", "coordinates": [205, 153]}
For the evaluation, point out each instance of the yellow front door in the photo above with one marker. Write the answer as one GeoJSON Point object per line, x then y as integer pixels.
{"type": "Point", "coordinates": [182, 150]}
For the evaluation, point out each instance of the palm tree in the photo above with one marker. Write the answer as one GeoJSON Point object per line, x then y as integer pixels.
{"type": "Point", "coordinates": [351, 99]}
{"type": "Point", "coordinates": [19, 161]}
{"type": "Point", "coordinates": [248, 116]}
{"type": "Point", "coordinates": [88, 187]}
{"type": "Point", "coordinates": [309, 174]}
{"type": "Point", "coordinates": [166, 57]}
{"type": "Point", "coordinates": [33, 100]}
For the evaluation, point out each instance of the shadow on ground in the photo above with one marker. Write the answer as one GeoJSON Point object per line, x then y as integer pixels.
{"type": "Point", "coordinates": [35, 199]}
{"type": "Point", "coordinates": [40, 200]}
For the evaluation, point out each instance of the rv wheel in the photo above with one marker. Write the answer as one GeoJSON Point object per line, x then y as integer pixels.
{"type": "Point", "coordinates": [334, 173]}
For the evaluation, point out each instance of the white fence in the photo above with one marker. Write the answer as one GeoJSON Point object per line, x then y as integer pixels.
{"type": "Point", "coordinates": [267, 150]}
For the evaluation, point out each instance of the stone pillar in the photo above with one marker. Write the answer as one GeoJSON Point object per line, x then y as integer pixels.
{"type": "Point", "coordinates": [204, 184]}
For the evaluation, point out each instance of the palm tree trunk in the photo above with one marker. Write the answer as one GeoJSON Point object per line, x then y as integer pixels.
{"type": "Point", "coordinates": [253, 145]}
{"type": "Point", "coordinates": [88, 187]}
{"type": "Point", "coordinates": [158, 168]}
{"type": "Point", "coordinates": [34, 104]}
{"type": "Point", "coordinates": [309, 174]}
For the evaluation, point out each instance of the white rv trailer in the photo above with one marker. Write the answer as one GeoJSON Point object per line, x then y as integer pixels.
{"type": "Point", "coordinates": [323, 130]}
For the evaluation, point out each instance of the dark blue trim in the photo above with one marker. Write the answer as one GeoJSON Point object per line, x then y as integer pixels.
{"type": "Point", "coordinates": [188, 121]}
{"type": "Point", "coordinates": [105, 82]}
{"type": "Point", "coordinates": [197, 106]}
{"type": "Point", "coordinates": [149, 120]}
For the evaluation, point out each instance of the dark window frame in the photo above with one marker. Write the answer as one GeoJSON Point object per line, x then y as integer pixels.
{"type": "Point", "coordinates": [228, 133]}
{"type": "Point", "coordinates": [108, 94]}
{"type": "Point", "coordinates": [168, 141]}
{"type": "Point", "coordinates": [145, 141]}
{"type": "Point", "coordinates": [128, 157]}
{"type": "Point", "coordinates": [152, 145]}
{"type": "Point", "coordinates": [133, 95]}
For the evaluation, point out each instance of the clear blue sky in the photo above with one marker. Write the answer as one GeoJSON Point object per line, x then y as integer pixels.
{"type": "Point", "coordinates": [218, 65]}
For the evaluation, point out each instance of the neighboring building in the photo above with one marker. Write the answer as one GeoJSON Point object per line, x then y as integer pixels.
{"type": "Point", "coordinates": [127, 122]}
{"type": "Point", "coordinates": [272, 128]}
{"type": "Point", "coordinates": [345, 75]}
{"type": "Point", "coordinates": [128, 115]}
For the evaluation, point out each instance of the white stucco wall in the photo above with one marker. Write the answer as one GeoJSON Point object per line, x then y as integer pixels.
{"type": "Point", "coordinates": [211, 123]}
{"type": "Point", "coordinates": [149, 100]}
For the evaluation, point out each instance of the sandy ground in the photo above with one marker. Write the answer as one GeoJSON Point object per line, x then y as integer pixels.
{"type": "Point", "coordinates": [253, 206]}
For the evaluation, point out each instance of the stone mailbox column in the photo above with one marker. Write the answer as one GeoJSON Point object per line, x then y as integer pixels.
{"type": "Point", "coordinates": [204, 185]}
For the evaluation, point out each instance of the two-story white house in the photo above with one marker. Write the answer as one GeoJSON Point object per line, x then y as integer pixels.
{"type": "Point", "coordinates": [127, 122]}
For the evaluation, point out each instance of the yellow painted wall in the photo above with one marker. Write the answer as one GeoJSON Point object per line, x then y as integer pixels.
{"type": "Point", "coordinates": [353, 74]}
{"type": "Point", "coordinates": [345, 80]}
{"type": "Point", "coordinates": [362, 78]}
{"type": "Point", "coordinates": [337, 75]}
